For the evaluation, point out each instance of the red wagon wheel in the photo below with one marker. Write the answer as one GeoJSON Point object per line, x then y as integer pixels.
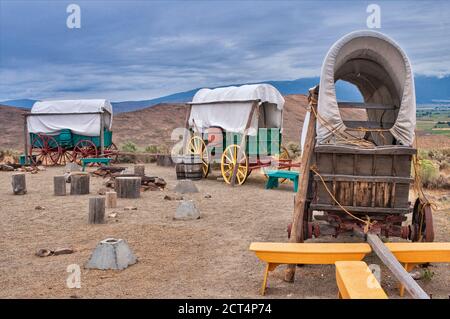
{"type": "Point", "coordinates": [84, 149]}
{"type": "Point", "coordinates": [66, 156]}
{"type": "Point", "coordinates": [44, 150]}
{"type": "Point", "coordinates": [111, 152]}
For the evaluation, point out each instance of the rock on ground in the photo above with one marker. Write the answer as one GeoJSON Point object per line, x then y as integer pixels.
{"type": "Point", "coordinates": [186, 186]}
{"type": "Point", "coordinates": [187, 211]}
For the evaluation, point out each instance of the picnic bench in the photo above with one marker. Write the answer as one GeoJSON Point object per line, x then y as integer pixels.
{"type": "Point", "coordinates": [275, 254]}
{"type": "Point", "coordinates": [273, 176]}
{"type": "Point", "coordinates": [412, 254]}
{"type": "Point", "coordinates": [90, 160]}
{"type": "Point", "coordinates": [355, 280]}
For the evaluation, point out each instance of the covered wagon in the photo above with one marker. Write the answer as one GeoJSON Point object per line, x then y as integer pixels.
{"type": "Point", "coordinates": [64, 131]}
{"type": "Point", "coordinates": [239, 126]}
{"type": "Point", "coordinates": [361, 170]}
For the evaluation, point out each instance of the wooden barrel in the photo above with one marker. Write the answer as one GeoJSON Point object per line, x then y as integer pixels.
{"type": "Point", "coordinates": [180, 170]}
{"type": "Point", "coordinates": [193, 167]}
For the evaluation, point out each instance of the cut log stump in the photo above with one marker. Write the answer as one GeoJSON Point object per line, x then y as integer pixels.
{"type": "Point", "coordinates": [128, 187]}
{"type": "Point", "coordinates": [79, 184]}
{"type": "Point", "coordinates": [59, 185]}
{"type": "Point", "coordinates": [139, 170]}
{"type": "Point", "coordinates": [96, 210]}
{"type": "Point", "coordinates": [111, 199]}
{"type": "Point", "coordinates": [19, 184]}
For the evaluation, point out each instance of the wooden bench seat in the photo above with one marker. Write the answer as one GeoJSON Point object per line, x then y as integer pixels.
{"type": "Point", "coordinates": [412, 254]}
{"type": "Point", "coordinates": [275, 254]}
{"type": "Point", "coordinates": [356, 281]}
{"type": "Point", "coordinates": [273, 176]}
{"type": "Point", "coordinates": [102, 160]}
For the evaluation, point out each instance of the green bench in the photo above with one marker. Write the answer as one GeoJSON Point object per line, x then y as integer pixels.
{"type": "Point", "coordinates": [103, 160]}
{"type": "Point", "coordinates": [273, 177]}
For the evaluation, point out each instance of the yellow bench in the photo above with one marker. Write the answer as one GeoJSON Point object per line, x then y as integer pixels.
{"type": "Point", "coordinates": [276, 254]}
{"type": "Point", "coordinates": [356, 281]}
{"type": "Point", "coordinates": [412, 254]}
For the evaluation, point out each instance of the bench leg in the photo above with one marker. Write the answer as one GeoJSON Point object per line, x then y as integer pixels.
{"type": "Point", "coordinates": [295, 184]}
{"type": "Point", "coordinates": [408, 268]}
{"type": "Point", "coordinates": [264, 285]}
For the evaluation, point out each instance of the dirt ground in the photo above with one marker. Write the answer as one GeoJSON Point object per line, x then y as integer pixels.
{"type": "Point", "coordinates": [205, 258]}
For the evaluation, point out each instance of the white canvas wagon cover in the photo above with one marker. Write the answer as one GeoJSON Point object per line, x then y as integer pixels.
{"type": "Point", "coordinates": [382, 72]}
{"type": "Point", "coordinates": [230, 107]}
{"type": "Point", "coordinates": [82, 117]}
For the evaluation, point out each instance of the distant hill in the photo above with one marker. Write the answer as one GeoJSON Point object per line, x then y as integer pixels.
{"type": "Point", "coordinates": [429, 90]}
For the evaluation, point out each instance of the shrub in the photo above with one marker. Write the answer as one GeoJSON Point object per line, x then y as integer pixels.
{"type": "Point", "coordinates": [151, 149]}
{"type": "Point", "coordinates": [428, 172]}
{"type": "Point", "coordinates": [129, 147]}
{"type": "Point", "coordinates": [294, 149]}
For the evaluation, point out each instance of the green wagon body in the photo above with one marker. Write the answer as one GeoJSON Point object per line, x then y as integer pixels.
{"type": "Point", "coordinates": [67, 140]}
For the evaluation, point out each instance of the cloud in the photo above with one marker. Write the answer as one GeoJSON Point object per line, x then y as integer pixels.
{"type": "Point", "coordinates": [144, 49]}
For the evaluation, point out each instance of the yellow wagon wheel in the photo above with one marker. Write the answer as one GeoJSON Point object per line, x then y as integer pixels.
{"type": "Point", "coordinates": [229, 161]}
{"type": "Point", "coordinates": [284, 155]}
{"type": "Point", "coordinates": [198, 147]}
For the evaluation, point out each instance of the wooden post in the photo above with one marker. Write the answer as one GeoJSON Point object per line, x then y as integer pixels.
{"type": "Point", "coordinates": [25, 138]}
{"type": "Point", "coordinates": [96, 210]}
{"type": "Point", "coordinates": [102, 134]}
{"type": "Point", "coordinates": [18, 183]}
{"type": "Point", "coordinates": [59, 185]}
{"type": "Point", "coordinates": [395, 267]}
{"type": "Point", "coordinates": [186, 126]}
{"type": "Point", "coordinates": [139, 170]}
{"type": "Point", "coordinates": [243, 144]}
{"type": "Point", "coordinates": [304, 171]}
{"type": "Point", "coordinates": [128, 187]}
{"type": "Point", "coordinates": [79, 184]}
{"type": "Point", "coordinates": [111, 199]}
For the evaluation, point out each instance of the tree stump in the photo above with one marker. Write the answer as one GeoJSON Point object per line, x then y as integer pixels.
{"type": "Point", "coordinates": [19, 184]}
{"type": "Point", "coordinates": [79, 184]}
{"type": "Point", "coordinates": [96, 210]}
{"type": "Point", "coordinates": [139, 170]}
{"type": "Point", "coordinates": [59, 185]}
{"type": "Point", "coordinates": [111, 199]}
{"type": "Point", "coordinates": [128, 187]}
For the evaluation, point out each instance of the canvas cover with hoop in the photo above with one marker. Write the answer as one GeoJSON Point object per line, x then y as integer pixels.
{"type": "Point", "coordinates": [230, 107]}
{"type": "Point", "coordinates": [70, 114]}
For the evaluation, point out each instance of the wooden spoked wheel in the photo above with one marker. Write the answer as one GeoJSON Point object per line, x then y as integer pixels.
{"type": "Point", "coordinates": [422, 222]}
{"type": "Point", "coordinates": [229, 161]}
{"type": "Point", "coordinates": [111, 152]}
{"type": "Point", "coordinates": [84, 149]}
{"type": "Point", "coordinates": [44, 150]}
{"type": "Point", "coordinates": [198, 147]}
{"type": "Point", "coordinates": [284, 155]}
{"type": "Point", "coordinates": [66, 157]}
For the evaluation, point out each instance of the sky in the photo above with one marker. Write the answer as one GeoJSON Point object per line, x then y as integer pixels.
{"type": "Point", "coordinates": [135, 50]}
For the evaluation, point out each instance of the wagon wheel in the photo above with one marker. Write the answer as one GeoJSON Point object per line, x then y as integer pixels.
{"type": "Point", "coordinates": [84, 149]}
{"type": "Point", "coordinates": [66, 156]}
{"type": "Point", "coordinates": [422, 222]}
{"type": "Point", "coordinates": [111, 152]}
{"type": "Point", "coordinates": [229, 161]}
{"type": "Point", "coordinates": [198, 147]}
{"type": "Point", "coordinates": [284, 155]}
{"type": "Point", "coordinates": [44, 150]}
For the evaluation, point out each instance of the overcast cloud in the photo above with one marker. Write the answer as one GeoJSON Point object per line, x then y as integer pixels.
{"type": "Point", "coordinates": [132, 50]}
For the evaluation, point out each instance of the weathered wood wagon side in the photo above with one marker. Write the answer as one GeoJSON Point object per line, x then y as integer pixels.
{"type": "Point", "coordinates": [57, 132]}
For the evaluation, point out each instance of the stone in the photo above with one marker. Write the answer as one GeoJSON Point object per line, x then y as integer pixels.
{"type": "Point", "coordinates": [72, 167]}
{"type": "Point", "coordinates": [44, 252]}
{"type": "Point", "coordinates": [6, 168]}
{"type": "Point", "coordinates": [185, 186]}
{"type": "Point", "coordinates": [168, 197]}
{"type": "Point", "coordinates": [111, 253]}
{"type": "Point", "coordinates": [112, 215]}
{"type": "Point", "coordinates": [187, 211]}
{"type": "Point", "coordinates": [38, 207]}
{"type": "Point", "coordinates": [208, 196]}
{"type": "Point", "coordinates": [130, 208]}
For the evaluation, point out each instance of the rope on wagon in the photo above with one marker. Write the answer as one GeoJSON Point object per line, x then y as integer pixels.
{"type": "Point", "coordinates": [367, 223]}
